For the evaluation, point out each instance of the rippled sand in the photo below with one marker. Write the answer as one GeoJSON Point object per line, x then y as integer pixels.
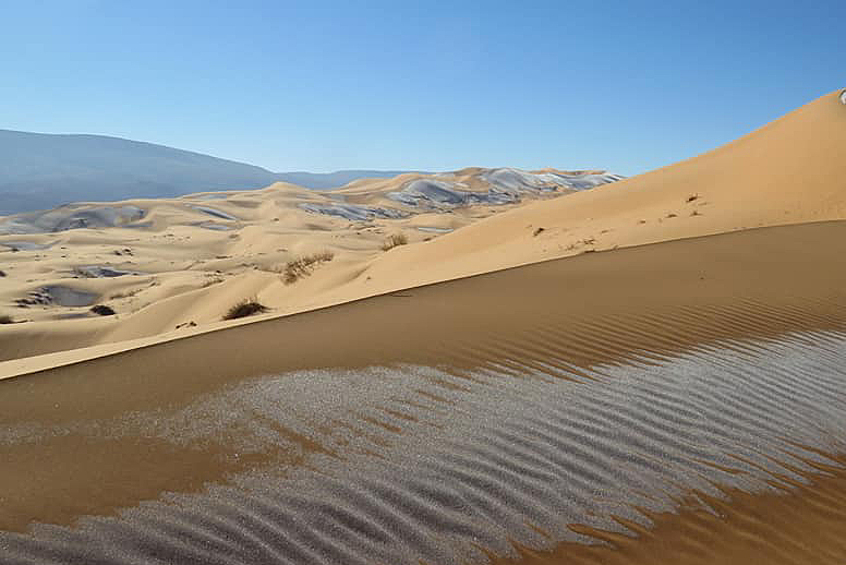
{"type": "Point", "coordinates": [532, 414]}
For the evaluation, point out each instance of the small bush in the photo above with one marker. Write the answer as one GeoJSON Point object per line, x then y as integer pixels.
{"type": "Point", "coordinates": [302, 267]}
{"type": "Point", "coordinates": [247, 307]}
{"type": "Point", "coordinates": [211, 282]}
{"type": "Point", "coordinates": [103, 310]}
{"type": "Point", "coordinates": [394, 241]}
{"type": "Point", "coordinates": [4, 319]}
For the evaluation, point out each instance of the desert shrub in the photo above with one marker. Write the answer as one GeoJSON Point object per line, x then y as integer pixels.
{"type": "Point", "coordinates": [247, 307]}
{"type": "Point", "coordinates": [5, 319]}
{"type": "Point", "coordinates": [211, 282]}
{"type": "Point", "coordinates": [303, 266]}
{"type": "Point", "coordinates": [103, 310]}
{"type": "Point", "coordinates": [394, 240]}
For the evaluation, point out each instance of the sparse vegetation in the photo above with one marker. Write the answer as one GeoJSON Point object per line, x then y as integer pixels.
{"type": "Point", "coordinates": [247, 307]}
{"type": "Point", "coordinates": [538, 231]}
{"type": "Point", "coordinates": [5, 319]}
{"type": "Point", "coordinates": [692, 197]}
{"type": "Point", "coordinates": [2, 273]}
{"type": "Point", "coordinates": [303, 266]}
{"type": "Point", "coordinates": [212, 281]}
{"type": "Point", "coordinates": [394, 240]}
{"type": "Point", "coordinates": [103, 310]}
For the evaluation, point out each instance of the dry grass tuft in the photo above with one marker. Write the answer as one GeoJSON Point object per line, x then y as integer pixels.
{"type": "Point", "coordinates": [211, 282]}
{"type": "Point", "coordinates": [247, 307]}
{"type": "Point", "coordinates": [103, 310]}
{"type": "Point", "coordinates": [394, 241]}
{"type": "Point", "coordinates": [302, 267]}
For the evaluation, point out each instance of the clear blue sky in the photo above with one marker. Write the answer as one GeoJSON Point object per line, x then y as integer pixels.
{"type": "Point", "coordinates": [430, 85]}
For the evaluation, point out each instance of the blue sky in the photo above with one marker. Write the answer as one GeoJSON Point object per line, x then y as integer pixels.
{"type": "Point", "coordinates": [322, 86]}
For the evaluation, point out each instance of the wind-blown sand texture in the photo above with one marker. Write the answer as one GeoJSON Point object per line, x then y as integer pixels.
{"type": "Point", "coordinates": [681, 401]}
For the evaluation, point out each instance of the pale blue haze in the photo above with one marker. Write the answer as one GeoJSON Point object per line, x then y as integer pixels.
{"type": "Point", "coordinates": [322, 86]}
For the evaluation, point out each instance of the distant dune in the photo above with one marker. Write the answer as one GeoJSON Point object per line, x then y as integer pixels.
{"type": "Point", "coordinates": [481, 366]}
{"type": "Point", "coordinates": [39, 171]}
{"type": "Point", "coordinates": [180, 263]}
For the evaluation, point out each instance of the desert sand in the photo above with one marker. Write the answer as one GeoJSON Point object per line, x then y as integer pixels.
{"type": "Point", "coordinates": [169, 266]}
{"type": "Point", "coordinates": [656, 374]}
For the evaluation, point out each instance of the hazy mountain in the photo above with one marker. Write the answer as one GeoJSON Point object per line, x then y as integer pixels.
{"type": "Point", "coordinates": [45, 170]}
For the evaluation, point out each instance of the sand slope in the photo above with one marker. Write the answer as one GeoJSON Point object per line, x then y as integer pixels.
{"type": "Point", "coordinates": [530, 405]}
{"type": "Point", "coordinates": [789, 171]}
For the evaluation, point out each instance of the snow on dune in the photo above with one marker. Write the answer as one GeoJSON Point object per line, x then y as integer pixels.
{"type": "Point", "coordinates": [505, 186]}
{"type": "Point", "coordinates": [70, 217]}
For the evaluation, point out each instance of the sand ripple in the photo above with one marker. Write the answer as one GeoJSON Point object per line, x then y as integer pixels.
{"type": "Point", "coordinates": [410, 464]}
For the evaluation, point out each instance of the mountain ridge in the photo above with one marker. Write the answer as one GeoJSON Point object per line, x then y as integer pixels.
{"type": "Point", "coordinates": [44, 170]}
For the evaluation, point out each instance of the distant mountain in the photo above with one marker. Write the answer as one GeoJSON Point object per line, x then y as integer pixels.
{"type": "Point", "coordinates": [40, 171]}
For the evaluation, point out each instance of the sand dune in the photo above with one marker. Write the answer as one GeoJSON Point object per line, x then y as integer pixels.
{"type": "Point", "coordinates": [788, 172]}
{"type": "Point", "coordinates": [677, 394]}
{"type": "Point", "coordinates": [441, 422]}
{"type": "Point", "coordinates": [178, 264]}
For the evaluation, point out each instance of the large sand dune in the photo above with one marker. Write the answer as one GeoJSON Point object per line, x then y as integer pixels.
{"type": "Point", "coordinates": [790, 171]}
{"type": "Point", "coordinates": [540, 405]}
{"type": "Point", "coordinates": [676, 395]}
